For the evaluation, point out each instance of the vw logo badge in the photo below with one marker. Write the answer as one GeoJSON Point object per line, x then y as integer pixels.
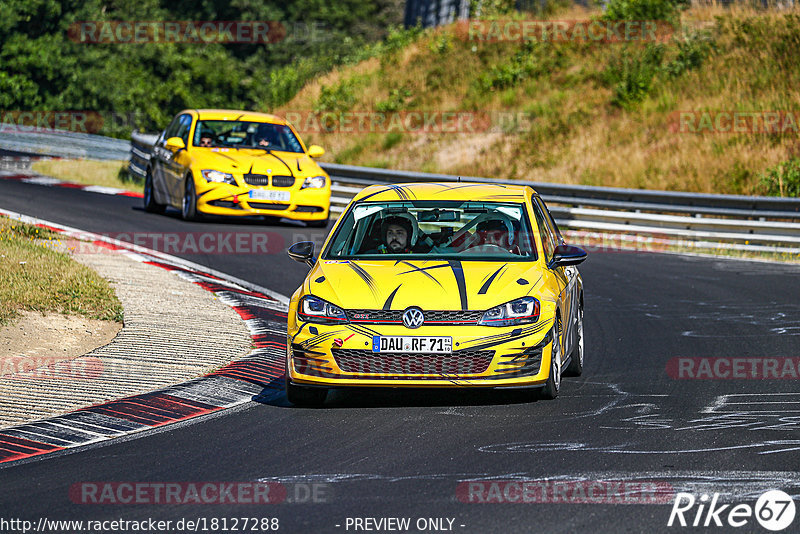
{"type": "Point", "coordinates": [413, 318]}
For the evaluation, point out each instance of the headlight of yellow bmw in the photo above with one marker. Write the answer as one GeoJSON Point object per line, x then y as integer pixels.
{"type": "Point", "coordinates": [217, 176]}
{"type": "Point", "coordinates": [314, 182]}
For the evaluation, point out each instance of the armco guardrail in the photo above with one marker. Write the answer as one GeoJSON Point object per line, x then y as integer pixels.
{"type": "Point", "coordinates": [607, 197]}
{"type": "Point", "coordinates": [61, 143]}
{"type": "Point", "coordinates": [730, 221]}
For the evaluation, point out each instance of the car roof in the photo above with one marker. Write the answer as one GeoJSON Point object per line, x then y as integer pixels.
{"type": "Point", "coordinates": [232, 114]}
{"type": "Point", "coordinates": [445, 191]}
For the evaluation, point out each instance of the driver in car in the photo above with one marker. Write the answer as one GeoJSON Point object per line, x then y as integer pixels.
{"type": "Point", "coordinates": [265, 136]}
{"type": "Point", "coordinates": [396, 234]}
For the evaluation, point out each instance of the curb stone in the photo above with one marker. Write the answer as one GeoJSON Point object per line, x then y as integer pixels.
{"type": "Point", "coordinates": [258, 375]}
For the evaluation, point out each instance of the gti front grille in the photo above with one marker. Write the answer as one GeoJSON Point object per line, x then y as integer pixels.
{"type": "Point", "coordinates": [463, 362]}
{"type": "Point", "coordinates": [432, 317]}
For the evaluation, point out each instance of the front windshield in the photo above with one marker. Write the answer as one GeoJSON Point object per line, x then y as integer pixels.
{"type": "Point", "coordinates": [245, 134]}
{"type": "Point", "coordinates": [421, 230]}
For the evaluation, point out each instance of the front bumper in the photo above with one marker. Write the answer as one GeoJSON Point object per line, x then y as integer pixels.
{"type": "Point", "coordinates": [234, 200]}
{"type": "Point", "coordinates": [482, 357]}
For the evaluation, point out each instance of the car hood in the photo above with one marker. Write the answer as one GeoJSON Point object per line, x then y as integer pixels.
{"type": "Point", "coordinates": [257, 162]}
{"type": "Point", "coordinates": [431, 285]}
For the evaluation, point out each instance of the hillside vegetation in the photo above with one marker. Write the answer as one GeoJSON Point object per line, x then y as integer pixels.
{"type": "Point", "coordinates": [46, 66]}
{"type": "Point", "coordinates": [592, 113]}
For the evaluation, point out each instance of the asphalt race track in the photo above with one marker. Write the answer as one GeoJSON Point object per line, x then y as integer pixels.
{"type": "Point", "coordinates": [407, 454]}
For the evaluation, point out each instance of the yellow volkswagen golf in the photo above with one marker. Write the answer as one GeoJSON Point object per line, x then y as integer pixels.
{"type": "Point", "coordinates": [437, 285]}
{"type": "Point", "coordinates": [224, 162]}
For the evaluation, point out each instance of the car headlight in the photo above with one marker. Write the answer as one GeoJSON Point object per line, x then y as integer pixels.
{"type": "Point", "coordinates": [520, 311]}
{"type": "Point", "coordinates": [315, 310]}
{"type": "Point", "coordinates": [314, 182]}
{"type": "Point", "coordinates": [217, 176]}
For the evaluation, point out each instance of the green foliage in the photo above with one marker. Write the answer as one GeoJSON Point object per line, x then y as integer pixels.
{"type": "Point", "coordinates": [776, 40]}
{"type": "Point", "coordinates": [632, 73]}
{"type": "Point", "coordinates": [692, 51]}
{"type": "Point", "coordinates": [532, 60]}
{"type": "Point", "coordinates": [666, 10]}
{"type": "Point", "coordinates": [340, 97]}
{"type": "Point", "coordinates": [491, 8]}
{"type": "Point", "coordinates": [782, 180]}
{"type": "Point", "coordinates": [441, 44]}
{"type": "Point", "coordinates": [395, 42]}
{"type": "Point", "coordinates": [397, 100]}
{"type": "Point", "coordinates": [635, 71]}
{"type": "Point", "coordinates": [42, 68]}
{"type": "Point", "coordinates": [392, 139]}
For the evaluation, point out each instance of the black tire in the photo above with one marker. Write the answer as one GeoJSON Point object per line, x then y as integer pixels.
{"type": "Point", "coordinates": [303, 396]}
{"type": "Point", "coordinates": [575, 367]}
{"type": "Point", "coordinates": [189, 202]}
{"type": "Point", "coordinates": [553, 384]}
{"type": "Point", "coordinates": [150, 204]}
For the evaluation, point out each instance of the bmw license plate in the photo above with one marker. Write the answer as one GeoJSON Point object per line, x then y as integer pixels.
{"type": "Point", "coordinates": [426, 344]}
{"type": "Point", "coordinates": [268, 194]}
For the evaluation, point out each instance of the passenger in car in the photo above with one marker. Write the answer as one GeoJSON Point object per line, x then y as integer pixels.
{"type": "Point", "coordinates": [495, 232]}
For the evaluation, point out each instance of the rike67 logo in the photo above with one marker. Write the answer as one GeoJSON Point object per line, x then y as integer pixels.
{"type": "Point", "coordinates": [774, 510]}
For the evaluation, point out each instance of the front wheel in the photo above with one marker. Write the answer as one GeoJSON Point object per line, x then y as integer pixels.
{"type": "Point", "coordinates": [150, 204]}
{"type": "Point", "coordinates": [553, 384]}
{"type": "Point", "coordinates": [575, 367]}
{"type": "Point", "coordinates": [189, 204]}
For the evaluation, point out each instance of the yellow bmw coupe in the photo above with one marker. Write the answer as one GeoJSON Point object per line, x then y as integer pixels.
{"type": "Point", "coordinates": [437, 285]}
{"type": "Point", "coordinates": [223, 162]}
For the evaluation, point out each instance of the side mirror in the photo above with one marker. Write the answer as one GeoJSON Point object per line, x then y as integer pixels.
{"type": "Point", "coordinates": [174, 144]}
{"type": "Point", "coordinates": [303, 252]}
{"type": "Point", "coordinates": [315, 151]}
{"type": "Point", "coordinates": [566, 255]}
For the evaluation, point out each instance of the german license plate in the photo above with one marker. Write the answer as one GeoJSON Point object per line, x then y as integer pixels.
{"type": "Point", "coordinates": [419, 344]}
{"type": "Point", "coordinates": [268, 194]}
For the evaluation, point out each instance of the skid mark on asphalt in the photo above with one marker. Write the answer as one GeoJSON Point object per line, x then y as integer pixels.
{"type": "Point", "coordinates": [771, 446]}
{"type": "Point", "coordinates": [732, 486]}
{"type": "Point", "coordinates": [751, 411]}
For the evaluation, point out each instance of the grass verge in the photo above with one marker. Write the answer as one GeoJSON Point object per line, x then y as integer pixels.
{"type": "Point", "coordinates": [35, 277]}
{"type": "Point", "coordinates": [111, 173]}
